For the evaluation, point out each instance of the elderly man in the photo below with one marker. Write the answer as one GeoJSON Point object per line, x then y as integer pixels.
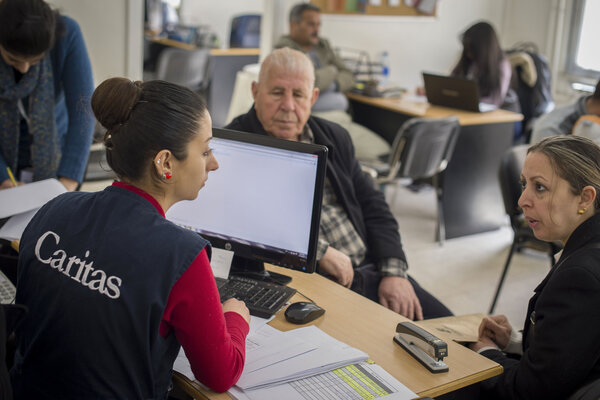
{"type": "Point", "coordinates": [359, 242]}
{"type": "Point", "coordinates": [332, 76]}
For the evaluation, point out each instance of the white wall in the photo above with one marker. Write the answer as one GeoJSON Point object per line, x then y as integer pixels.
{"type": "Point", "coordinates": [414, 43]}
{"type": "Point", "coordinates": [112, 30]}
{"type": "Point", "coordinates": [547, 23]}
{"type": "Point", "coordinates": [217, 14]}
{"type": "Point", "coordinates": [530, 21]}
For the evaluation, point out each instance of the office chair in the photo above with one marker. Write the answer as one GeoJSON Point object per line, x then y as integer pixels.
{"type": "Point", "coordinates": [97, 168]}
{"type": "Point", "coordinates": [245, 31]}
{"type": "Point", "coordinates": [421, 149]}
{"type": "Point", "coordinates": [509, 175]}
{"type": "Point", "coordinates": [189, 68]}
{"type": "Point", "coordinates": [590, 391]}
{"type": "Point", "coordinates": [10, 317]}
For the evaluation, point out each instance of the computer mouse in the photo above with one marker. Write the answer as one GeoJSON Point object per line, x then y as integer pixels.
{"type": "Point", "coordinates": [303, 312]}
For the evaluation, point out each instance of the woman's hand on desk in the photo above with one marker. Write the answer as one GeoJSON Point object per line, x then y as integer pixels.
{"type": "Point", "coordinates": [7, 184]}
{"type": "Point", "coordinates": [69, 183]}
{"type": "Point", "coordinates": [497, 329]}
{"type": "Point", "coordinates": [236, 306]}
{"type": "Point", "coordinates": [483, 343]}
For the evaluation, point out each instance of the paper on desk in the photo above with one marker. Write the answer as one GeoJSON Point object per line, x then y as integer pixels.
{"type": "Point", "coordinates": [362, 380]}
{"type": "Point", "coordinates": [28, 197]}
{"type": "Point", "coordinates": [268, 346]}
{"type": "Point", "coordinates": [414, 98]}
{"type": "Point", "coordinates": [329, 354]}
{"type": "Point", "coordinates": [257, 323]}
{"type": "Point", "coordinates": [220, 262]}
{"type": "Point", "coordinates": [14, 227]}
{"type": "Point", "coordinates": [460, 328]}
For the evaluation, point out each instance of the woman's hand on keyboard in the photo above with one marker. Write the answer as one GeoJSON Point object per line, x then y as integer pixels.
{"type": "Point", "coordinates": [236, 306]}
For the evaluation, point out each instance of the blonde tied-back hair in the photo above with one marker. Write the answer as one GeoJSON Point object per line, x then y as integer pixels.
{"type": "Point", "coordinates": [575, 159]}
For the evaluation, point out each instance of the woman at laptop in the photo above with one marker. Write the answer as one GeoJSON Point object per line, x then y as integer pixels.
{"type": "Point", "coordinates": [113, 288]}
{"type": "Point", "coordinates": [483, 60]}
{"type": "Point", "coordinates": [558, 350]}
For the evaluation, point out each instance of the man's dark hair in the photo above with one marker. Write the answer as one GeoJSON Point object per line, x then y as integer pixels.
{"type": "Point", "coordinates": [299, 9]}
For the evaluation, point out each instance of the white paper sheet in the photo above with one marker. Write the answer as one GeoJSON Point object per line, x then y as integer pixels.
{"type": "Point", "coordinates": [220, 262]}
{"type": "Point", "coordinates": [359, 381]}
{"type": "Point", "coordinates": [28, 197]}
{"type": "Point", "coordinates": [14, 227]}
{"type": "Point", "coordinates": [328, 354]}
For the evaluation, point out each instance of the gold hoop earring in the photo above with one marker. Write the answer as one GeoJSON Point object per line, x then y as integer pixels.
{"type": "Point", "coordinates": [581, 211]}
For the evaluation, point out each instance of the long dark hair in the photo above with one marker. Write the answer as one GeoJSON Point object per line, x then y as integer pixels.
{"type": "Point", "coordinates": [143, 118]}
{"type": "Point", "coordinates": [28, 27]}
{"type": "Point", "coordinates": [481, 50]}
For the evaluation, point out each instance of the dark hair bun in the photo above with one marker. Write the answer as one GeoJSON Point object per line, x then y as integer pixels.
{"type": "Point", "coordinates": [113, 101]}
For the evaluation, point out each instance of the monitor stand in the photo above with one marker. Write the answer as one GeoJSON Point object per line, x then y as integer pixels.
{"type": "Point", "coordinates": [255, 269]}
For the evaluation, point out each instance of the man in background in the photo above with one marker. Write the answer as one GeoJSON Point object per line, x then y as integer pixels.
{"type": "Point", "coordinates": [332, 76]}
{"type": "Point", "coordinates": [359, 242]}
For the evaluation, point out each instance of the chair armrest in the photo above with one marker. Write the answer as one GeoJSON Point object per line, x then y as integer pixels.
{"type": "Point", "coordinates": [372, 172]}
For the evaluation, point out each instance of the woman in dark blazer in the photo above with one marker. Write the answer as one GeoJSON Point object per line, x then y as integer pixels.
{"type": "Point", "coordinates": [558, 350]}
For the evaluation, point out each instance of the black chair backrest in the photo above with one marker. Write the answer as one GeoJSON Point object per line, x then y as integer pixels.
{"type": "Point", "coordinates": [245, 31]}
{"type": "Point", "coordinates": [423, 147]}
{"type": "Point", "coordinates": [10, 317]}
{"type": "Point", "coordinates": [590, 391]}
{"type": "Point", "coordinates": [509, 175]}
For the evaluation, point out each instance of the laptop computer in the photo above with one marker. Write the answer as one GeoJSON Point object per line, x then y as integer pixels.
{"type": "Point", "coordinates": [453, 92]}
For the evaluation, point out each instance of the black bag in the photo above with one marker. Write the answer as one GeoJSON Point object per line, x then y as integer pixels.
{"type": "Point", "coordinates": [537, 99]}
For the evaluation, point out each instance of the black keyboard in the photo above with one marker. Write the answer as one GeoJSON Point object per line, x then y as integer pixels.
{"type": "Point", "coordinates": [263, 299]}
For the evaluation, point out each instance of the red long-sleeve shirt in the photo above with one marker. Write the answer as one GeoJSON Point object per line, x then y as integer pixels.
{"type": "Point", "coordinates": [214, 342]}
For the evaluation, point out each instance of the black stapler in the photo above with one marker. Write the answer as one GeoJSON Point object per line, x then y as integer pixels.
{"type": "Point", "coordinates": [422, 345]}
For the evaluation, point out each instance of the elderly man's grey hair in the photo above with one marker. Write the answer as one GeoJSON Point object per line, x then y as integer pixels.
{"type": "Point", "coordinates": [288, 60]}
{"type": "Point", "coordinates": [299, 9]}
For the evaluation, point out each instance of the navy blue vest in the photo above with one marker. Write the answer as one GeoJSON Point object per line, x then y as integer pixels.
{"type": "Point", "coordinates": [95, 271]}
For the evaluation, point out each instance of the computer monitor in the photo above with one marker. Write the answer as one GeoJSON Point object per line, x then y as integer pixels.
{"type": "Point", "coordinates": [263, 203]}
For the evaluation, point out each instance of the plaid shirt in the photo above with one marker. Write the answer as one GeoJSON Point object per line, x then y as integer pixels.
{"type": "Point", "coordinates": [336, 229]}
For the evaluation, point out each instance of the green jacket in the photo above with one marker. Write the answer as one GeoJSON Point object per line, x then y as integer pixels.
{"type": "Point", "coordinates": [332, 67]}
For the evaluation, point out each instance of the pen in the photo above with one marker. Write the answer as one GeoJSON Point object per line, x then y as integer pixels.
{"type": "Point", "coordinates": [11, 176]}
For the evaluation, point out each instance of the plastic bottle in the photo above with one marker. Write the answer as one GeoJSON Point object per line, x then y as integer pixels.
{"type": "Point", "coordinates": [385, 68]}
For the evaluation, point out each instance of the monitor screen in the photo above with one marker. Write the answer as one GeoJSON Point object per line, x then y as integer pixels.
{"type": "Point", "coordinates": [263, 202]}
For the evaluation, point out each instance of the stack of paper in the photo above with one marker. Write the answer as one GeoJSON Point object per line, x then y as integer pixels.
{"type": "Point", "coordinates": [359, 381]}
{"type": "Point", "coordinates": [300, 353]}
{"type": "Point", "coordinates": [301, 361]}
{"type": "Point", "coordinates": [22, 202]}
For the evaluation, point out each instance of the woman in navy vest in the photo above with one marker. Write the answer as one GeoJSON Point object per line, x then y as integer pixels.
{"type": "Point", "coordinates": [46, 82]}
{"type": "Point", "coordinates": [113, 288]}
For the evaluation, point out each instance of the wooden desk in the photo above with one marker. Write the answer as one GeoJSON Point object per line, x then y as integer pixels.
{"type": "Point", "coordinates": [213, 52]}
{"type": "Point", "coordinates": [472, 200]}
{"type": "Point", "coordinates": [370, 327]}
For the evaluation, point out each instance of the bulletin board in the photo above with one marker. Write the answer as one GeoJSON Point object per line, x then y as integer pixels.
{"type": "Point", "coordinates": [413, 8]}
